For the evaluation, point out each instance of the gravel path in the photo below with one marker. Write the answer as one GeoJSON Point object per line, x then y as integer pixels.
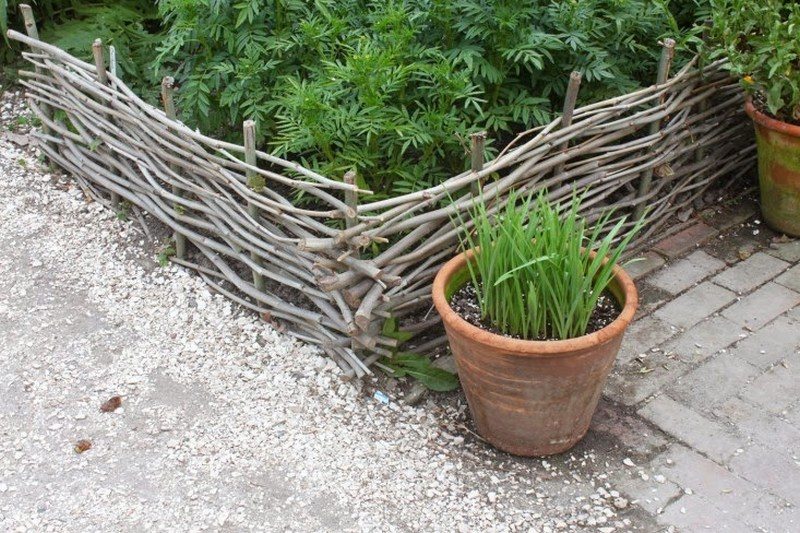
{"type": "Point", "coordinates": [225, 423]}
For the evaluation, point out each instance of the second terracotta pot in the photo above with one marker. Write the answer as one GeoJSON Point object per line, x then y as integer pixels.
{"type": "Point", "coordinates": [778, 171]}
{"type": "Point", "coordinates": [531, 398]}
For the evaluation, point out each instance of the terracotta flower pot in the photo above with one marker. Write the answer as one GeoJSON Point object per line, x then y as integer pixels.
{"type": "Point", "coordinates": [778, 171]}
{"type": "Point", "coordinates": [531, 398]}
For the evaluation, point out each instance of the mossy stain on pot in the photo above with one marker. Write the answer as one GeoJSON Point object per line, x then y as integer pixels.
{"type": "Point", "coordinates": [778, 145]}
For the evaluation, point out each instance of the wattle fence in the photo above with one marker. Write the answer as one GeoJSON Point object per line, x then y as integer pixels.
{"type": "Point", "coordinates": [648, 153]}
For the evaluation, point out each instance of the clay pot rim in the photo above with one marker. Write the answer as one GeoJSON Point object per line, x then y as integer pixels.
{"type": "Point", "coordinates": [530, 348]}
{"type": "Point", "coordinates": [768, 122]}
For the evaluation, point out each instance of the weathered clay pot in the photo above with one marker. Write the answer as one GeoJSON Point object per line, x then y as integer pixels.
{"type": "Point", "coordinates": [778, 171]}
{"type": "Point", "coordinates": [531, 398]}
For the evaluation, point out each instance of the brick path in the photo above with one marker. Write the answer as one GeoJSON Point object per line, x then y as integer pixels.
{"type": "Point", "coordinates": [711, 370]}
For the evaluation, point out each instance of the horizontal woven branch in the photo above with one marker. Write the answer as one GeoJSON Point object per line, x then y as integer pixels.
{"type": "Point", "coordinates": [659, 147]}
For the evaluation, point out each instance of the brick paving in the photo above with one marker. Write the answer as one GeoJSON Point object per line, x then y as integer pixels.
{"type": "Point", "coordinates": [688, 239]}
{"type": "Point", "coordinates": [711, 369]}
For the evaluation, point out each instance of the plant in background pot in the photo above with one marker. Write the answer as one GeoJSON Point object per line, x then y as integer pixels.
{"type": "Point", "coordinates": [535, 310]}
{"type": "Point", "coordinates": [761, 39]}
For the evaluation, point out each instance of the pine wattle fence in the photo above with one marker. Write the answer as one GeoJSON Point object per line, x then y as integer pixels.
{"type": "Point", "coordinates": [647, 154]}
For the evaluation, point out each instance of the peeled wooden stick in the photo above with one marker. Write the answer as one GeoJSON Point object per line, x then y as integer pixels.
{"type": "Point", "coordinates": [99, 61]}
{"type": "Point", "coordinates": [30, 22]}
{"type": "Point", "coordinates": [112, 61]}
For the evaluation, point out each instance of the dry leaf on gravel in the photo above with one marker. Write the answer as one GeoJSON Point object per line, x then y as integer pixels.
{"type": "Point", "coordinates": [267, 317]}
{"type": "Point", "coordinates": [82, 445]}
{"type": "Point", "coordinates": [111, 405]}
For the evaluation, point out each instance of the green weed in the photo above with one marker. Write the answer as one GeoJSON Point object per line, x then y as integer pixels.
{"type": "Point", "coordinates": [420, 367]}
{"type": "Point", "coordinates": [164, 254]}
{"type": "Point", "coordinates": [414, 365]}
{"type": "Point", "coordinates": [123, 210]}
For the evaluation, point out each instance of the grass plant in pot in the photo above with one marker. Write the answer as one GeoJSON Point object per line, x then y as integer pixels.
{"type": "Point", "coordinates": [761, 39]}
{"type": "Point", "coordinates": [535, 309]}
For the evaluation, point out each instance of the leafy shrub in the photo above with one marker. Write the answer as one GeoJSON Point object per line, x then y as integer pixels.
{"type": "Point", "coordinates": [123, 24]}
{"type": "Point", "coordinates": [762, 40]}
{"type": "Point", "coordinates": [130, 25]}
{"type": "Point", "coordinates": [392, 88]}
{"type": "Point", "coordinates": [534, 274]}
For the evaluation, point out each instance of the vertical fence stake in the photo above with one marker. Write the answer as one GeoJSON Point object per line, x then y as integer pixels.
{"type": "Point", "coordinates": [664, 65]}
{"type": "Point", "coordinates": [167, 98]}
{"type": "Point", "coordinates": [569, 109]}
{"type": "Point", "coordinates": [99, 61]}
{"type": "Point", "coordinates": [33, 33]}
{"type": "Point", "coordinates": [351, 200]}
{"type": "Point", "coordinates": [102, 77]}
{"type": "Point", "coordinates": [112, 60]}
{"type": "Point", "coordinates": [30, 22]}
{"type": "Point", "coordinates": [700, 154]}
{"type": "Point", "coordinates": [256, 182]}
{"type": "Point", "coordinates": [476, 158]}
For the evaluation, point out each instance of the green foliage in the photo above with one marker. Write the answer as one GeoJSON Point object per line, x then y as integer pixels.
{"type": "Point", "coordinates": [21, 121]}
{"type": "Point", "coordinates": [688, 13]}
{"type": "Point", "coordinates": [123, 210]}
{"type": "Point", "coordinates": [257, 182]}
{"type": "Point", "coordinates": [534, 274]}
{"type": "Point", "coordinates": [121, 24]}
{"type": "Point", "coordinates": [414, 365]}
{"type": "Point", "coordinates": [419, 367]}
{"type": "Point", "coordinates": [391, 330]}
{"type": "Point", "coordinates": [762, 40]}
{"type": "Point", "coordinates": [131, 26]}
{"type": "Point", "coordinates": [391, 88]}
{"type": "Point", "coordinates": [164, 254]}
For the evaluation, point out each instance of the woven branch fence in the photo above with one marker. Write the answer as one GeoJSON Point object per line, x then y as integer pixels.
{"type": "Point", "coordinates": [648, 153]}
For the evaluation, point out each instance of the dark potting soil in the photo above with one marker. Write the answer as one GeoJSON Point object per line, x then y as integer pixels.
{"type": "Point", "coordinates": [760, 103]}
{"type": "Point", "coordinates": [465, 303]}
